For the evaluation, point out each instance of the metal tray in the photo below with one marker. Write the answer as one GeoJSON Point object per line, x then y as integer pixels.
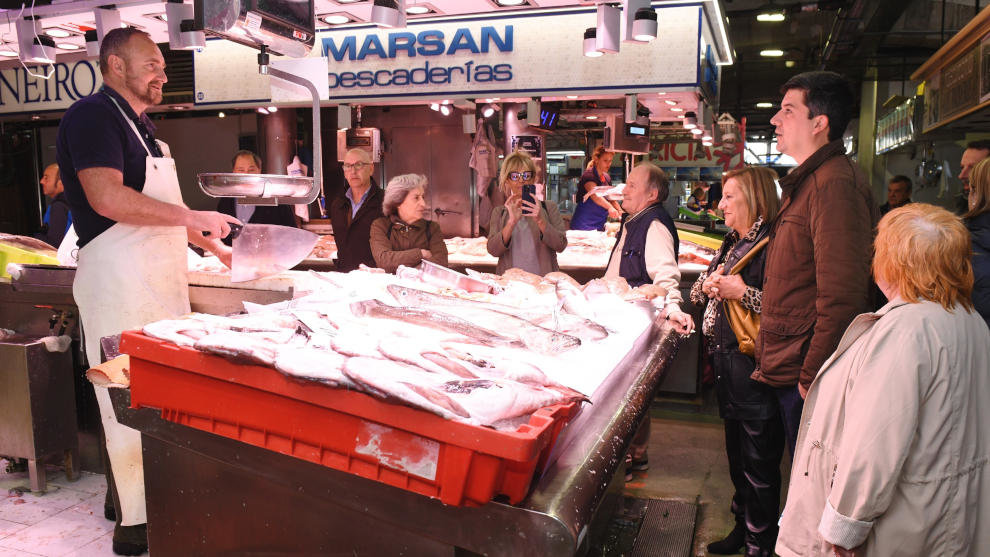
{"type": "Point", "coordinates": [285, 189]}
{"type": "Point", "coordinates": [440, 275]}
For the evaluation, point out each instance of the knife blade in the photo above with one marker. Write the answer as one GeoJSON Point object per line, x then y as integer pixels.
{"type": "Point", "coordinates": [261, 250]}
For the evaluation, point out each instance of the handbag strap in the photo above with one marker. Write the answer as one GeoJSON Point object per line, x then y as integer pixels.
{"type": "Point", "coordinates": [744, 260]}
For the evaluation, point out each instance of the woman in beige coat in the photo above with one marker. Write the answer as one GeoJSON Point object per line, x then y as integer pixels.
{"type": "Point", "coordinates": [892, 454]}
{"type": "Point", "coordinates": [524, 235]}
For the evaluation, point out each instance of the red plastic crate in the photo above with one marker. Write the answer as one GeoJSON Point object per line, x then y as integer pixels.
{"type": "Point", "coordinates": [347, 430]}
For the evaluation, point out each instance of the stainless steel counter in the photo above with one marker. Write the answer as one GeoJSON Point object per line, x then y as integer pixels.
{"type": "Point", "coordinates": [223, 496]}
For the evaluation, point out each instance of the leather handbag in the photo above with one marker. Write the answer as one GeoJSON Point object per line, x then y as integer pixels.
{"type": "Point", "coordinates": [745, 323]}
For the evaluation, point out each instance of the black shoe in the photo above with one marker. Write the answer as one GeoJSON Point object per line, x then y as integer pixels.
{"type": "Point", "coordinates": [731, 544]}
{"type": "Point", "coordinates": [639, 464]}
{"type": "Point", "coordinates": [130, 540]}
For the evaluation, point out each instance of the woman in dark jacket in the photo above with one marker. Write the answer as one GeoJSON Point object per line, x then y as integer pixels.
{"type": "Point", "coordinates": [748, 408]}
{"type": "Point", "coordinates": [977, 220]}
{"type": "Point", "coordinates": [403, 236]}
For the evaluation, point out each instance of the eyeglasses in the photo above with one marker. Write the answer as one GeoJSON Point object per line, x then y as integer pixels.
{"type": "Point", "coordinates": [359, 166]}
{"type": "Point", "coordinates": [516, 176]}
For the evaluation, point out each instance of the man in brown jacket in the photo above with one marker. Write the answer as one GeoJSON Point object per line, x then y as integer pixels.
{"type": "Point", "coordinates": [818, 259]}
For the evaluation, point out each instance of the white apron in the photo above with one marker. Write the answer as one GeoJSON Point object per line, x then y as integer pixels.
{"type": "Point", "coordinates": [129, 276]}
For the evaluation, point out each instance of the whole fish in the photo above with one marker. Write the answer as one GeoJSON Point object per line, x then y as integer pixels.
{"type": "Point", "coordinates": [432, 319]}
{"type": "Point", "coordinates": [406, 384]}
{"type": "Point", "coordinates": [410, 351]}
{"type": "Point", "coordinates": [492, 402]}
{"type": "Point", "coordinates": [535, 337]}
{"type": "Point", "coordinates": [575, 301]}
{"type": "Point", "coordinates": [315, 364]}
{"type": "Point", "coordinates": [181, 332]}
{"type": "Point", "coordinates": [239, 347]}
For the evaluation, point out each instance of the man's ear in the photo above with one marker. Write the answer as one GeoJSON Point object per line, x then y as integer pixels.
{"type": "Point", "coordinates": [117, 64]}
{"type": "Point", "coordinates": [820, 124]}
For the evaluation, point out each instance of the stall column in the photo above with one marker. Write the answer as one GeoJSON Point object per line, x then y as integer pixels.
{"type": "Point", "coordinates": [276, 139]}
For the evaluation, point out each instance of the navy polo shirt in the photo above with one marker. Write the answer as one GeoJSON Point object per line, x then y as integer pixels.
{"type": "Point", "coordinates": [94, 134]}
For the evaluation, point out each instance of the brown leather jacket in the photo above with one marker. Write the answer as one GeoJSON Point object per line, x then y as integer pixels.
{"type": "Point", "coordinates": [395, 243]}
{"type": "Point", "coordinates": [817, 276]}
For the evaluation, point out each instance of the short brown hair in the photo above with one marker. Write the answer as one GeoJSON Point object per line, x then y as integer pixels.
{"type": "Point", "coordinates": [925, 252]}
{"type": "Point", "coordinates": [517, 161]}
{"type": "Point", "coordinates": [758, 185]}
{"type": "Point", "coordinates": [114, 43]}
{"type": "Point", "coordinates": [979, 189]}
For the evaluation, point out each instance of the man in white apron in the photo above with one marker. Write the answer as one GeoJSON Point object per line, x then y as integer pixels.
{"type": "Point", "coordinates": [133, 228]}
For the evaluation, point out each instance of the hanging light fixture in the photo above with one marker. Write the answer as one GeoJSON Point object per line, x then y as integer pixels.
{"type": "Point", "coordinates": [590, 50]}
{"type": "Point", "coordinates": [772, 13]}
{"type": "Point", "coordinates": [445, 109]}
{"type": "Point", "coordinates": [690, 120]}
{"type": "Point", "coordinates": [644, 27]}
{"type": "Point", "coordinates": [389, 13]}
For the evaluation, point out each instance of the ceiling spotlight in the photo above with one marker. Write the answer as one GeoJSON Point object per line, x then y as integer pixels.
{"type": "Point", "coordinates": [590, 49]}
{"type": "Point", "coordinates": [418, 10]}
{"type": "Point", "coordinates": [696, 131]}
{"type": "Point", "coordinates": [706, 137]}
{"type": "Point", "coordinates": [706, 143]}
{"type": "Point", "coordinates": [389, 13]}
{"type": "Point", "coordinates": [272, 109]}
{"type": "Point", "coordinates": [773, 16]}
{"type": "Point", "coordinates": [510, 2]}
{"type": "Point", "coordinates": [644, 27]}
{"type": "Point", "coordinates": [92, 43]}
{"type": "Point", "coordinates": [348, 1]}
{"type": "Point", "coordinates": [336, 19]}
{"type": "Point", "coordinates": [262, 111]}
{"type": "Point", "coordinates": [221, 114]}
{"type": "Point", "coordinates": [67, 46]}
{"type": "Point", "coordinates": [572, 96]}
{"type": "Point", "coordinates": [178, 107]}
{"type": "Point", "coordinates": [36, 117]}
{"type": "Point", "coordinates": [690, 120]}
{"type": "Point", "coordinates": [445, 109]}
{"type": "Point", "coordinates": [764, 105]}
{"type": "Point", "coordinates": [434, 106]}
{"type": "Point", "coordinates": [591, 117]}
{"type": "Point", "coordinates": [772, 53]}
{"type": "Point", "coordinates": [57, 33]}
{"type": "Point", "coordinates": [488, 110]}
{"type": "Point", "coordinates": [670, 102]}
{"type": "Point", "coordinates": [789, 63]}
{"type": "Point", "coordinates": [608, 30]}
{"type": "Point", "coordinates": [661, 93]}
{"type": "Point", "coordinates": [676, 109]}
{"type": "Point", "coordinates": [5, 50]}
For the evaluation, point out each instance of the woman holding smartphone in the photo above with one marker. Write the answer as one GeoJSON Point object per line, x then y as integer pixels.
{"type": "Point", "coordinates": [525, 233]}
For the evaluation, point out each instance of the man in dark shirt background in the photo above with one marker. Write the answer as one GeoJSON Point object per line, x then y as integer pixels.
{"type": "Point", "coordinates": [246, 162]}
{"type": "Point", "coordinates": [57, 217]}
{"type": "Point", "coordinates": [898, 194]}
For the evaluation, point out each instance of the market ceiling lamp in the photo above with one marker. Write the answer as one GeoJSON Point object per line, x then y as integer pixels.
{"type": "Point", "coordinates": [690, 120]}
{"type": "Point", "coordinates": [34, 48]}
{"type": "Point", "coordinates": [631, 108]}
{"type": "Point", "coordinates": [488, 110]}
{"type": "Point", "coordinates": [590, 50]}
{"type": "Point", "coordinates": [533, 110]}
{"type": "Point", "coordinates": [182, 31]}
{"type": "Point", "coordinates": [772, 13]}
{"type": "Point", "coordinates": [343, 116]}
{"type": "Point", "coordinates": [772, 53]}
{"type": "Point", "coordinates": [644, 27]}
{"type": "Point", "coordinates": [92, 43]}
{"type": "Point", "coordinates": [389, 13]}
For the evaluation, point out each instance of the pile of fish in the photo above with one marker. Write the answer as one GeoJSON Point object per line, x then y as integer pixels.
{"type": "Point", "coordinates": [468, 360]}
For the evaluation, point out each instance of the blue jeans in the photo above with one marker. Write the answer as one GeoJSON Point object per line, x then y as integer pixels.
{"type": "Point", "coordinates": [790, 402]}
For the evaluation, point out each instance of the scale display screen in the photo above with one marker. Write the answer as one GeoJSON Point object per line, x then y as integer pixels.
{"type": "Point", "coordinates": [637, 130]}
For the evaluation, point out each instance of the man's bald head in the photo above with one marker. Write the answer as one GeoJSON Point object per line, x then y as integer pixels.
{"type": "Point", "coordinates": [51, 182]}
{"type": "Point", "coordinates": [358, 154]}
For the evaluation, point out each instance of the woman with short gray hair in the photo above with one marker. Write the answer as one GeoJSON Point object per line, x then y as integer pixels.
{"type": "Point", "coordinates": [404, 236]}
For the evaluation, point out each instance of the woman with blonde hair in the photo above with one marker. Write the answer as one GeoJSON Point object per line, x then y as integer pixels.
{"type": "Point", "coordinates": [404, 236]}
{"type": "Point", "coordinates": [977, 220]}
{"type": "Point", "coordinates": [753, 428]}
{"type": "Point", "coordinates": [522, 234]}
{"type": "Point", "coordinates": [892, 454]}
{"type": "Point", "coordinates": [592, 211]}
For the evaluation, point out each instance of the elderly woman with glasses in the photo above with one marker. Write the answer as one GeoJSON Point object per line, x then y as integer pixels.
{"type": "Point", "coordinates": [404, 236]}
{"type": "Point", "coordinates": [522, 234]}
{"type": "Point", "coordinates": [892, 454]}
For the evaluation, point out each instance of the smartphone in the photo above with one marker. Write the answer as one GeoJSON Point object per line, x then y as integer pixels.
{"type": "Point", "coordinates": [529, 194]}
